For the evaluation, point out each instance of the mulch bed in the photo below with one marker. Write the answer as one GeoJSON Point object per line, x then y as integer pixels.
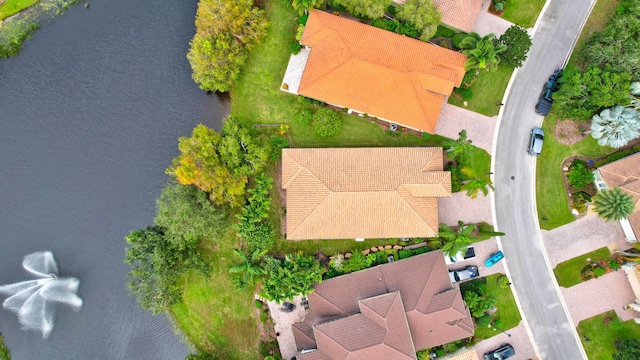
{"type": "Point", "coordinates": [569, 132]}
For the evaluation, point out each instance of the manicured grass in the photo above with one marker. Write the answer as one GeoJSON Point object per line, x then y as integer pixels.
{"type": "Point", "coordinates": [11, 7]}
{"type": "Point", "coordinates": [213, 315]}
{"type": "Point", "coordinates": [522, 12]}
{"type": "Point", "coordinates": [568, 272]}
{"type": "Point", "coordinates": [602, 338]}
{"type": "Point", "coordinates": [600, 15]}
{"type": "Point", "coordinates": [488, 90]}
{"type": "Point", "coordinates": [505, 303]}
{"type": "Point", "coordinates": [551, 196]}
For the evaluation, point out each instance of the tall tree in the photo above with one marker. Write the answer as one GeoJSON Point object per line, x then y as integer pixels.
{"type": "Point", "coordinates": [456, 240]}
{"type": "Point", "coordinates": [423, 14]}
{"type": "Point", "coordinates": [225, 31]}
{"type": "Point", "coordinates": [372, 9]}
{"type": "Point", "coordinates": [613, 204]}
{"type": "Point", "coordinates": [475, 182]}
{"type": "Point", "coordinates": [616, 126]}
{"type": "Point", "coordinates": [481, 52]}
{"type": "Point", "coordinates": [305, 6]}
{"type": "Point", "coordinates": [518, 43]}
{"type": "Point", "coordinates": [460, 149]}
{"type": "Point", "coordinates": [158, 262]}
{"type": "Point", "coordinates": [294, 276]}
{"type": "Point", "coordinates": [583, 94]}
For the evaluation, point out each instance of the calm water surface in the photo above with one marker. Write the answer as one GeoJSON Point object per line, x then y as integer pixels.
{"type": "Point", "coordinates": [90, 113]}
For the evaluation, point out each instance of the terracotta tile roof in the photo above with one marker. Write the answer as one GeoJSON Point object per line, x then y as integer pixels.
{"type": "Point", "coordinates": [625, 174]}
{"type": "Point", "coordinates": [377, 72]}
{"type": "Point", "coordinates": [365, 314]}
{"type": "Point", "coordinates": [460, 14]}
{"type": "Point", "coordinates": [368, 193]}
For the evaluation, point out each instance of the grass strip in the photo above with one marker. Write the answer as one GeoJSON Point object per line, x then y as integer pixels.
{"type": "Point", "coordinates": [568, 272]}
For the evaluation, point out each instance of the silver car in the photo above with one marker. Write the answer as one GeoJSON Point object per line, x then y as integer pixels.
{"type": "Point", "coordinates": [535, 141]}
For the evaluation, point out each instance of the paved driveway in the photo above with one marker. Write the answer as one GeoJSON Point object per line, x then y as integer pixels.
{"type": "Point", "coordinates": [483, 250]}
{"type": "Point", "coordinates": [479, 127]}
{"type": "Point", "coordinates": [488, 23]}
{"type": "Point", "coordinates": [580, 237]}
{"type": "Point", "coordinates": [519, 340]}
{"type": "Point", "coordinates": [611, 291]}
{"type": "Point", "coordinates": [461, 207]}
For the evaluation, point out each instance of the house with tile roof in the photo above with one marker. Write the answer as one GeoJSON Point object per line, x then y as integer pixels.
{"type": "Point", "coordinates": [385, 312]}
{"type": "Point", "coordinates": [358, 193]}
{"type": "Point", "coordinates": [459, 14]}
{"type": "Point", "coordinates": [625, 174]}
{"type": "Point", "coordinates": [373, 71]}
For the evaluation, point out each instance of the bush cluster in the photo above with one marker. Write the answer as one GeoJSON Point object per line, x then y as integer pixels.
{"type": "Point", "coordinates": [326, 122]}
{"type": "Point", "coordinates": [402, 28]}
{"type": "Point", "coordinates": [579, 175]}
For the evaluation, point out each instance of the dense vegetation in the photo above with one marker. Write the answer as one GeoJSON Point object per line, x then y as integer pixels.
{"type": "Point", "coordinates": [4, 351]}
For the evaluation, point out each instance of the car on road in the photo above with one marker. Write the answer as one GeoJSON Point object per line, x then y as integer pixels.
{"type": "Point", "coordinates": [463, 274]}
{"type": "Point", "coordinates": [546, 97]}
{"type": "Point", "coordinates": [505, 351]}
{"type": "Point", "coordinates": [470, 253]}
{"type": "Point", "coordinates": [493, 259]}
{"type": "Point", "coordinates": [535, 141]}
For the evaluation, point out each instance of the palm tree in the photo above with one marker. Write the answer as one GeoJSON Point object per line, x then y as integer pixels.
{"type": "Point", "coordinates": [615, 126]}
{"type": "Point", "coordinates": [635, 95]}
{"type": "Point", "coordinates": [250, 267]}
{"type": "Point", "coordinates": [356, 262]}
{"type": "Point", "coordinates": [475, 182]}
{"type": "Point", "coordinates": [456, 241]}
{"type": "Point", "coordinates": [459, 149]}
{"type": "Point", "coordinates": [613, 204]}
{"type": "Point", "coordinates": [481, 52]}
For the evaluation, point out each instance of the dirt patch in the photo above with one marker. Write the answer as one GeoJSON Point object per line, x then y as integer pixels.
{"type": "Point", "coordinates": [442, 42]}
{"type": "Point", "coordinates": [569, 132]}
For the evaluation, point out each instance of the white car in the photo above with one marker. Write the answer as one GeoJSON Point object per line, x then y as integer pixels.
{"type": "Point", "coordinates": [470, 253]}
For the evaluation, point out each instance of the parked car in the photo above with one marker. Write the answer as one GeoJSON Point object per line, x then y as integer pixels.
{"type": "Point", "coordinates": [493, 259]}
{"type": "Point", "coordinates": [466, 273]}
{"type": "Point", "coordinates": [535, 141]}
{"type": "Point", "coordinates": [546, 97]}
{"type": "Point", "coordinates": [460, 256]}
{"type": "Point", "coordinates": [505, 351]}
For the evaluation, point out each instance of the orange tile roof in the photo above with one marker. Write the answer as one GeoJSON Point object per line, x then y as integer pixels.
{"type": "Point", "coordinates": [460, 14]}
{"type": "Point", "coordinates": [385, 312]}
{"type": "Point", "coordinates": [625, 174]}
{"type": "Point", "coordinates": [377, 72]}
{"type": "Point", "coordinates": [363, 192]}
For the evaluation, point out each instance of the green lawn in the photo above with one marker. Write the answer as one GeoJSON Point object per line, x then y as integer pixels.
{"type": "Point", "coordinates": [488, 90]}
{"type": "Point", "coordinates": [602, 338]}
{"type": "Point", "coordinates": [507, 309]}
{"type": "Point", "coordinates": [568, 272]}
{"type": "Point", "coordinates": [11, 7]}
{"type": "Point", "coordinates": [551, 195]}
{"type": "Point", "coordinates": [522, 12]}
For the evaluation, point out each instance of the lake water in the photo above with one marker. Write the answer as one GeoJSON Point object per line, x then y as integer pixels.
{"type": "Point", "coordinates": [90, 113]}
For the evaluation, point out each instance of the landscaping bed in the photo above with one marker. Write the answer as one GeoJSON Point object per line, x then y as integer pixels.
{"type": "Point", "coordinates": [585, 267]}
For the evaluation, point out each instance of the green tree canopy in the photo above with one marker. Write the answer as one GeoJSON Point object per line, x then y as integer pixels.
{"type": "Point", "coordinates": [185, 211]}
{"type": "Point", "coordinates": [250, 268]}
{"type": "Point", "coordinates": [423, 14]}
{"type": "Point", "coordinates": [225, 31]}
{"type": "Point", "coordinates": [583, 94]}
{"type": "Point", "coordinates": [371, 9]}
{"type": "Point", "coordinates": [613, 204]}
{"type": "Point", "coordinates": [579, 175]}
{"type": "Point", "coordinates": [220, 164]}
{"type": "Point", "coordinates": [294, 276]}
{"type": "Point", "coordinates": [481, 52]}
{"type": "Point", "coordinates": [305, 6]}
{"type": "Point", "coordinates": [517, 42]}
{"type": "Point", "coordinates": [158, 262]}
{"type": "Point", "coordinates": [616, 126]}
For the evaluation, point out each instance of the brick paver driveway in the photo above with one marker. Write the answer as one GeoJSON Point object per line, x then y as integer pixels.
{"type": "Point", "coordinates": [580, 237]}
{"type": "Point", "coordinates": [479, 127]}
{"type": "Point", "coordinates": [461, 207]}
{"type": "Point", "coordinates": [519, 340]}
{"type": "Point", "coordinates": [483, 250]}
{"type": "Point", "coordinates": [611, 291]}
{"type": "Point", "coordinates": [488, 23]}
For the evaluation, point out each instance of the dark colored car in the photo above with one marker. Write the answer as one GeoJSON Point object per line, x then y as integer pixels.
{"type": "Point", "coordinates": [493, 259]}
{"type": "Point", "coordinates": [505, 351]}
{"type": "Point", "coordinates": [546, 96]}
{"type": "Point", "coordinates": [463, 274]}
{"type": "Point", "coordinates": [535, 142]}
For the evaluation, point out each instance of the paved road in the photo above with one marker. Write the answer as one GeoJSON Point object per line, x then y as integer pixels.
{"type": "Point", "coordinates": [551, 327]}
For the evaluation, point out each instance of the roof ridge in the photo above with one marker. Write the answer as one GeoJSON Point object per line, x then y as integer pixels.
{"type": "Point", "coordinates": [307, 219]}
{"type": "Point", "coordinates": [414, 84]}
{"type": "Point", "coordinates": [411, 207]}
{"type": "Point", "coordinates": [398, 298]}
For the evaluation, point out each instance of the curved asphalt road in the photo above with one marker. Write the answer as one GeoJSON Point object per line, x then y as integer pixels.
{"type": "Point", "coordinates": [540, 300]}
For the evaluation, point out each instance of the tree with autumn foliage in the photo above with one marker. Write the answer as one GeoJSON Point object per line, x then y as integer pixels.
{"type": "Point", "coordinates": [220, 163]}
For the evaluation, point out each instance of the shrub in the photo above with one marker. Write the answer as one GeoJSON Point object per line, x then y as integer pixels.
{"type": "Point", "coordinates": [440, 352]}
{"type": "Point", "coordinates": [498, 323]}
{"type": "Point", "coordinates": [423, 354]}
{"type": "Point", "coordinates": [599, 271]}
{"type": "Point", "coordinates": [499, 6]}
{"type": "Point", "coordinates": [304, 100]}
{"type": "Point", "coordinates": [444, 32]}
{"type": "Point", "coordinates": [484, 320]}
{"type": "Point", "coordinates": [305, 116]}
{"type": "Point", "coordinates": [258, 304]}
{"type": "Point", "coordinates": [457, 38]}
{"type": "Point", "coordinates": [614, 264]}
{"type": "Point", "coordinates": [299, 32]}
{"type": "Point", "coordinates": [302, 20]}
{"type": "Point", "coordinates": [466, 94]}
{"type": "Point", "coordinates": [295, 47]}
{"type": "Point", "coordinates": [277, 143]}
{"type": "Point", "coordinates": [381, 257]}
{"type": "Point", "coordinates": [503, 281]}
{"type": "Point", "coordinates": [337, 262]}
{"type": "Point", "coordinates": [579, 175]}
{"type": "Point", "coordinates": [326, 122]}
{"type": "Point", "coordinates": [456, 177]}
{"type": "Point", "coordinates": [426, 136]}
{"type": "Point", "coordinates": [403, 254]}
{"type": "Point", "coordinates": [370, 259]}
{"type": "Point", "coordinates": [421, 250]}
{"type": "Point", "coordinates": [264, 315]}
